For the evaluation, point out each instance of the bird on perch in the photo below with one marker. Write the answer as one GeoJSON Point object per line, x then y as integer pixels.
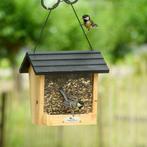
{"type": "Point", "coordinates": [71, 103]}
{"type": "Point", "coordinates": [88, 23]}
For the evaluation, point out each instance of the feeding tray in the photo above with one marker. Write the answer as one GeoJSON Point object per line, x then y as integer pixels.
{"type": "Point", "coordinates": [64, 86]}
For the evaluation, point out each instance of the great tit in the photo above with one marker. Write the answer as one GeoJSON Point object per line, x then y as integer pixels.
{"type": "Point", "coordinates": [71, 103]}
{"type": "Point", "coordinates": [88, 23]}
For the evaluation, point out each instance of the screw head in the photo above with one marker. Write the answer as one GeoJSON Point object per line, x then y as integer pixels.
{"type": "Point", "coordinates": [36, 102]}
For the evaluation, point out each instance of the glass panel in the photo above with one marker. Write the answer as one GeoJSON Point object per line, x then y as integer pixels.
{"type": "Point", "coordinates": [68, 93]}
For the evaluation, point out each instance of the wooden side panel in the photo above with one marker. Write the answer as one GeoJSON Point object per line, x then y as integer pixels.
{"type": "Point", "coordinates": [37, 96]}
{"type": "Point", "coordinates": [41, 100]}
{"type": "Point", "coordinates": [95, 93]}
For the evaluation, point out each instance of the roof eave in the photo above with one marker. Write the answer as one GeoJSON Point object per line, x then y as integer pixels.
{"type": "Point", "coordinates": [24, 68]}
{"type": "Point", "coordinates": [98, 72]}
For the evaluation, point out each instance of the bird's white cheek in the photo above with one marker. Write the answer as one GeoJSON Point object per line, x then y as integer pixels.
{"type": "Point", "coordinates": [87, 18]}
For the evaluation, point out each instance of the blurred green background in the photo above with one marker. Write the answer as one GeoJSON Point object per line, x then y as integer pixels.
{"type": "Point", "coordinates": [121, 37]}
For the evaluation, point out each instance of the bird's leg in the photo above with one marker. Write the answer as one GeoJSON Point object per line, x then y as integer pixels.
{"type": "Point", "coordinates": [72, 112]}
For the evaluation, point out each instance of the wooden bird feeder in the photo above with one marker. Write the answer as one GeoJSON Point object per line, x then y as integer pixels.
{"type": "Point", "coordinates": [76, 73]}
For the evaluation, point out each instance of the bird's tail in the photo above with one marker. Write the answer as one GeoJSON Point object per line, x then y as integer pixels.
{"type": "Point", "coordinates": [94, 25]}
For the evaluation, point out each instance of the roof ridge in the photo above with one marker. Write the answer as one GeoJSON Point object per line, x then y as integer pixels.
{"type": "Point", "coordinates": [64, 52]}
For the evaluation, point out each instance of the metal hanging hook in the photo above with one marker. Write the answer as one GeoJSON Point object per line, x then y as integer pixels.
{"type": "Point", "coordinates": [84, 33]}
{"type": "Point", "coordinates": [50, 4]}
{"type": "Point", "coordinates": [70, 1]}
{"type": "Point", "coordinates": [41, 32]}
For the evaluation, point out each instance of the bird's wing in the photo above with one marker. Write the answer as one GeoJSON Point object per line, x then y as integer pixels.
{"type": "Point", "coordinates": [93, 24]}
{"type": "Point", "coordinates": [63, 94]}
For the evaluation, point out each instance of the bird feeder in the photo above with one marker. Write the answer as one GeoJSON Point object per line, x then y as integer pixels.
{"type": "Point", "coordinates": [64, 86]}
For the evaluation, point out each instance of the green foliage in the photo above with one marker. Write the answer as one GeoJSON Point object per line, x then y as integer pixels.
{"type": "Point", "coordinates": [124, 24]}
{"type": "Point", "coordinates": [121, 24]}
{"type": "Point", "coordinates": [19, 25]}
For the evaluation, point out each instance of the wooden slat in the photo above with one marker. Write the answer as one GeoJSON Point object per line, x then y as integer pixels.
{"type": "Point", "coordinates": [90, 68]}
{"type": "Point", "coordinates": [41, 100]}
{"type": "Point", "coordinates": [95, 93]}
{"type": "Point", "coordinates": [58, 120]}
{"type": "Point", "coordinates": [62, 56]}
{"type": "Point", "coordinates": [37, 95]}
{"type": "Point", "coordinates": [32, 92]}
{"type": "Point", "coordinates": [68, 62]}
{"type": "Point", "coordinates": [65, 52]}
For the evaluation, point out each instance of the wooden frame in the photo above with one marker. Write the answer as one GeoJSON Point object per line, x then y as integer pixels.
{"type": "Point", "coordinates": [37, 104]}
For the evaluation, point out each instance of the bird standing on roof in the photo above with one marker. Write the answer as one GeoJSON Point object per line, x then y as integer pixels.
{"type": "Point", "coordinates": [88, 23]}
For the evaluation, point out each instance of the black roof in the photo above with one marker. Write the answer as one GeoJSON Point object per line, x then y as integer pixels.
{"type": "Point", "coordinates": [64, 61]}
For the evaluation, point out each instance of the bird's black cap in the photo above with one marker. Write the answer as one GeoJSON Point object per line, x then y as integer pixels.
{"type": "Point", "coordinates": [86, 15]}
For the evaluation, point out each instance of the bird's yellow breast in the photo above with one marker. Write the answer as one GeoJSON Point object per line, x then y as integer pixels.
{"type": "Point", "coordinates": [88, 24]}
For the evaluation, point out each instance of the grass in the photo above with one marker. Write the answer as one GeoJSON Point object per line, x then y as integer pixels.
{"type": "Point", "coordinates": [122, 119]}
